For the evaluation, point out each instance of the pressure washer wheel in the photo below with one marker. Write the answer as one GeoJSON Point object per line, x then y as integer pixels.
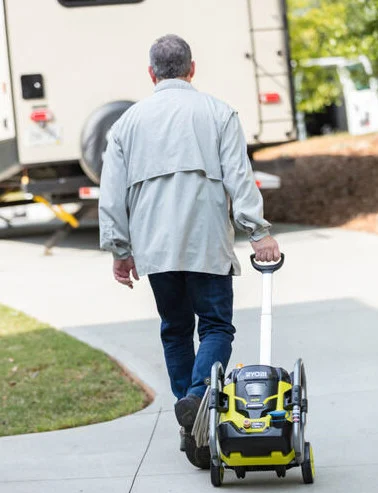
{"type": "Point", "coordinates": [217, 473]}
{"type": "Point", "coordinates": [216, 386]}
{"type": "Point", "coordinates": [308, 465]}
{"type": "Point", "coordinates": [300, 409]}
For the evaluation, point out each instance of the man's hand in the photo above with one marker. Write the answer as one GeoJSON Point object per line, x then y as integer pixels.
{"type": "Point", "coordinates": [121, 271]}
{"type": "Point", "coordinates": [266, 249]}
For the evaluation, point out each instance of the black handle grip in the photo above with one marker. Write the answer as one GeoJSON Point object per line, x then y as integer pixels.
{"type": "Point", "coordinates": [267, 268]}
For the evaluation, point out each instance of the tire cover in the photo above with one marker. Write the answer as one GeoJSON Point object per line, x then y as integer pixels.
{"type": "Point", "coordinates": [94, 136]}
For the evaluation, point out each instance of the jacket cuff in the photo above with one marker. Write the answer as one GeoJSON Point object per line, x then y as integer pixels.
{"type": "Point", "coordinates": [259, 234]}
{"type": "Point", "coordinates": [121, 256]}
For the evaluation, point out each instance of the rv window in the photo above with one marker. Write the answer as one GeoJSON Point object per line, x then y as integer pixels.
{"type": "Point", "coordinates": [87, 3]}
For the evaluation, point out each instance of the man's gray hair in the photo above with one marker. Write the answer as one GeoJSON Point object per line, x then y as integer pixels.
{"type": "Point", "coordinates": [170, 57]}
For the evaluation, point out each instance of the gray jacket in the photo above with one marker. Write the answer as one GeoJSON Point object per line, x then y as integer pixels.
{"type": "Point", "coordinates": [172, 163]}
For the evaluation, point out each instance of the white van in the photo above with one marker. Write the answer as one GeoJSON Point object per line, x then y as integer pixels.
{"type": "Point", "coordinates": [70, 68]}
{"type": "Point", "coordinates": [357, 111]}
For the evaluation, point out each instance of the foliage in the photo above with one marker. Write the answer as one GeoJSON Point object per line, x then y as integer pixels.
{"type": "Point", "coordinates": [325, 28]}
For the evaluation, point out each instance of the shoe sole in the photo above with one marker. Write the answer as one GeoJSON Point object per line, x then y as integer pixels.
{"type": "Point", "coordinates": [198, 456]}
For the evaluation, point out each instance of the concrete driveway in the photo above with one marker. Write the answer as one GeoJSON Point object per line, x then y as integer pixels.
{"type": "Point", "coordinates": [325, 312]}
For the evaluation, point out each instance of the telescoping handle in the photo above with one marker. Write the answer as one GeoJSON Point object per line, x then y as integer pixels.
{"type": "Point", "coordinates": [266, 308]}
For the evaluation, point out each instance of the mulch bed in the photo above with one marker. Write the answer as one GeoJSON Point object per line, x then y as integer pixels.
{"type": "Point", "coordinates": [334, 183]}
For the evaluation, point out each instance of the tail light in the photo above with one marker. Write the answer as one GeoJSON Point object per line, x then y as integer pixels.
{"type": "Point", "coordinates": [89, 192]}
{"type": "Point", "coordinates": [270, 98]}
{"type": "Point", "coordinates": [41, 116]}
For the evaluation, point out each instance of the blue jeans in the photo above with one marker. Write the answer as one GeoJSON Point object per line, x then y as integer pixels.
{"type": "Point", "coordinates": [179, 296]}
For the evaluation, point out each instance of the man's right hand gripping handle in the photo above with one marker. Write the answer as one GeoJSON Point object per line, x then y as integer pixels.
{"type": "Point", "coordinates": [266, 249]}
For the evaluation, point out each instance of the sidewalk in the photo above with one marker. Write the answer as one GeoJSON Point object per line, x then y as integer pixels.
{"type": "Point", "coordinates": [325, 311]}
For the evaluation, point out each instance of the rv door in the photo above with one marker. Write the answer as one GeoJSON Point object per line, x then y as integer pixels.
{"type": "Point", "coordinates": [270, 55]}
{"type": "Point", "coordinates": [8, 146]}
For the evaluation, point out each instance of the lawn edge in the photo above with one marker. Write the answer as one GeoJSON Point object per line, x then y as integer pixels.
{"type": "Point", "coordinates": [148, 391]}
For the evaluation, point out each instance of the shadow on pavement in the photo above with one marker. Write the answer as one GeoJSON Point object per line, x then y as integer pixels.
{"type": "Point", "coordinates": [84, 238]}
{"type": "Point", "coordinates": [337, 340]}
{"type": "Point", "coordinates": [87, 236]}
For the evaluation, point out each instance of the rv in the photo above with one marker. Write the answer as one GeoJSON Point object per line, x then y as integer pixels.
{"type": "Point", "coordinates": [70, 68]}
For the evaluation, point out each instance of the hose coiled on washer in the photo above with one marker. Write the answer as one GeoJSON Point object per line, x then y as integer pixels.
{"type": "Point", "coordinates": [200, 430]}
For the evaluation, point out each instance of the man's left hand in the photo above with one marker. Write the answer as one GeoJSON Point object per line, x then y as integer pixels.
{"type": "Point", "coordinates": [122, 269]}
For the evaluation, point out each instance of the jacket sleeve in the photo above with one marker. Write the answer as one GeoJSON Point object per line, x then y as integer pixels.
{"type": "Point", "coordinates": [113, 213]}
{"type": "Point", "coordinates": [239, 181]}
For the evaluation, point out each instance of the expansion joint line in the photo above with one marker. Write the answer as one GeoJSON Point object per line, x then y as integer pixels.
{"type": "Point", "coordinates": [145, 452]}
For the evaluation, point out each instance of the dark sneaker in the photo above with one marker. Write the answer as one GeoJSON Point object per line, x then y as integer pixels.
{"type": "Point", "coordinates": [198, 456]}
{"type": "Point", "coordinates": [186, 410]}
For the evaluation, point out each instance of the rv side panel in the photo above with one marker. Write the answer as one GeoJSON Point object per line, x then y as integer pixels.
{"type": "Point", "coordinates": [84, 57]}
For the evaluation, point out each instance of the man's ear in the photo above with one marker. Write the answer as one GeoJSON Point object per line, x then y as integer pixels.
{"type": "Point", "coordinates": [192, 69]}
{"type": "Point", "coordinates": [152, 74]}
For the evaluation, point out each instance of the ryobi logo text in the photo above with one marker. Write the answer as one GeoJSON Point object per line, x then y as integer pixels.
{"type": "Point", "coordinates": [256, 374]}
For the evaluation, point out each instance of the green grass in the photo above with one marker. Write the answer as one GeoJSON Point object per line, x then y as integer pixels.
{"type": "Point", "coordinates": [50, 381]}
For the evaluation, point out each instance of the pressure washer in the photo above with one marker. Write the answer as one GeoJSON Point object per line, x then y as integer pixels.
{"type": "Point", "coordinates": [257, 414]}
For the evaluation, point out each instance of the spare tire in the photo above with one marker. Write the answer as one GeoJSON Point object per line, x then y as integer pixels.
{"type": "Point", "coordinates": [94, 136]}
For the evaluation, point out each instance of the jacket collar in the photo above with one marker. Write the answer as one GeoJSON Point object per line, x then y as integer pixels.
{"type": "Point", "coordinates": [173, 84]}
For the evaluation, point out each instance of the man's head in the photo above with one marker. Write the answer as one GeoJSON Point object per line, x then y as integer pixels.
{"type": "Point", "coordinates": [171, 58]}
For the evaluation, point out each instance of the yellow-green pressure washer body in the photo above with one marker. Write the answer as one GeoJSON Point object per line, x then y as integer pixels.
{"type": "Point", "coordinates": [255, 425]}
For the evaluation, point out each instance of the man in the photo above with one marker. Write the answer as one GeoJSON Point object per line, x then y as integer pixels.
{"type": "Point", "coordinates": [172, 163]}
